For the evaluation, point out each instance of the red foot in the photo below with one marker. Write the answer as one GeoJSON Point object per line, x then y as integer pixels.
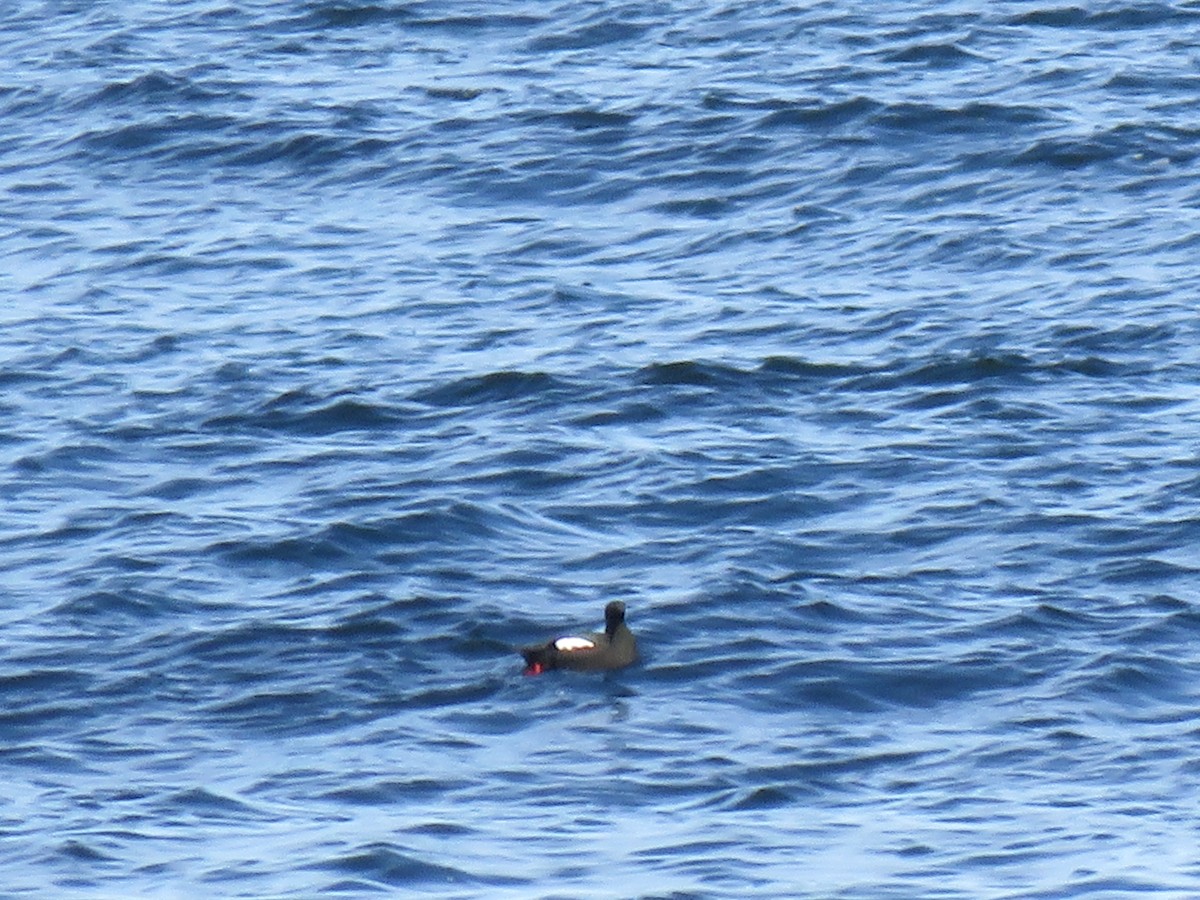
{"type": "Point", "coordinates": [534, 669]}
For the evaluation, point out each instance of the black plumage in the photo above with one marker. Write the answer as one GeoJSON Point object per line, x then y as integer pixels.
{"type": "Point", "coordinates": [614, 649]}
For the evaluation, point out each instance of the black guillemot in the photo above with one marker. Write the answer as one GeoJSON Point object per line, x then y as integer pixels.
{"type": "Point", "coordinates": [614, 649]}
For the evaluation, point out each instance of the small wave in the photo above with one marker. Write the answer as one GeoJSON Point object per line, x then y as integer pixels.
{"type": "Point", "coordinates": [291, 413]}
{"type": "Point", "coordinates": [1115, 340]}
{"type": "Point", "coordinates": [76, 458]}
{"type": "Point", "coordinates": [1068, 153]}
{"type": "Point", "coordinates": [325, 16]}
{"type": "Point", "coordinates": [1091, 367]}
{"type": "Point", "coordinates": [287, 552]}
{"type": "Point", "coordinates": [201, 803]}
{"type": "Point", "coordinates": [37, 685]}
{"type": "Point", "coordinates": [444, 696]}
{"type": "Point", "coordinates": [387, 864]}
{"type": "Point", "coordinates": [35, 756]}
{"type": "Point", "coordinates": [109, 607]}
{"type": "Point", "coordinates": [970, 118]}
{"type": "Point", "coordinates": [182, 488]}
{"type": "Point", "coordinates": [627, 413]}
{"type": "Point", "coordinates": [1145, 571]}
{"type": "Point", "coordinates": [310, 151]}
{"type": "Point", "coordinates": [380, 624]}
{"type": "Point", "coordinates": [159, 138]}
{"type": "Point", "coordinates": [726, 100]}
{"type": "Point", "coordinates": [583, 119]}
{"type": "Point", "coordinates": [234, 143]}
{"type": "Point", "coordinates": [34, 700]}
{"type": "Point", "coordinates": [946, 379]}
{"type": "Point", "coordinates": [857, 686]}
{"type": "Point", "coordinates": [699, 207]}
{"type": "Point", "coordinates": [587, 37]}
{"type": "Point", "coordinates": [493, 388]}
{"type": "Point", "coordinates": [469, 24]}
{"type": "Point", "coordinates": [1043, 620]}
{"type": "Point", "coordinates": [955, 369]}
{"type": "Point", "coordinates": [322, 16]}
{"type": "Point", "coordinates": [778, 783]}
{"type": "Point", "coordinates": [1129, 678]}
{"type": "Point", "coordinates": [688, 373]}
{"type": "Point", "coordinates": [938, 55]}
{"type": "Point", "coordinates": [810, 215]}
{"type": "Point", "coordinates": [80, 851]}
{"type": "Point", "coordinates": [285, 712]}
{"type": "Point", "coordinates": [820, 114]}
{"type": "Point", "coordinates": [381, 792]}
{"type": "Point", "coordinates": [157, 88]}
{"type": "Point", "coordinates": [244, 640]}
{"type": "Point", "coordinates": [805, 370]}
{"type": "Point", "coordinates": [1118, 17]}
{"type": "Point", "coordinates": [1180, 628]}
{"type": "Point", "coordinates": [439, 92]}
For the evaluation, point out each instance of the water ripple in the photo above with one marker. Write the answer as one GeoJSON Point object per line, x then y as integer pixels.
{"type": "Point", "coordinates": [352, 345]}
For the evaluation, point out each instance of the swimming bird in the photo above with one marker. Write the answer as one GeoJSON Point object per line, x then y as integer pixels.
{"type": "Point", "coordinates": [614, 649]}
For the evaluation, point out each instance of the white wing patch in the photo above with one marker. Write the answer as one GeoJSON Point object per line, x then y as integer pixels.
{"type": "Point", "coordinates": [573, 643]}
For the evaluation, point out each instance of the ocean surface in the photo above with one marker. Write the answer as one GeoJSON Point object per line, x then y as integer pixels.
{"type": "Point", "coordinates": [347, 345]}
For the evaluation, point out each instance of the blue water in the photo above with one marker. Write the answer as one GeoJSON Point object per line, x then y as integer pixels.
{"type": "Point", "coordinates": [346, 346]}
